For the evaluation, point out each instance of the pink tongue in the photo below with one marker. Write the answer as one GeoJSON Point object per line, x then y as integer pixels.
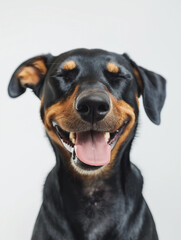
{"type": "Point", "coordinates": [92, 149]}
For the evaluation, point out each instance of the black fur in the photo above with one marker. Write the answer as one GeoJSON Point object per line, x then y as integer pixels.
{"type": "Point", "coordinates": [103, 208]}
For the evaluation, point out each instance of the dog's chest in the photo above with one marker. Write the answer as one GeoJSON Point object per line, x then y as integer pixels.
{"type": "Point", "coordinates": [97, 212]}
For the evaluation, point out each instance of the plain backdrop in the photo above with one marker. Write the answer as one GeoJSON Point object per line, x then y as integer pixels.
{"type": "Point", "coordinates": [150, 32]}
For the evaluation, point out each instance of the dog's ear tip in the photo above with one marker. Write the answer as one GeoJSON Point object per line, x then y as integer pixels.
{"type": "Point", "coordinates": [14, 94]}
{"type": "Point", "coordinates": [156, 120]}
{"type": "Point", "coordinates": [15, 91]}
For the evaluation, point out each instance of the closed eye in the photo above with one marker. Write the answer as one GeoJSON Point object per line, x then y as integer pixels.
{"type": "Point", "coordinates": [67, 75]}
{"type": "Point", "coordinates": [117, 76]}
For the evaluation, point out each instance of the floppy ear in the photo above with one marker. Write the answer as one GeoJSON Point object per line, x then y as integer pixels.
{"type": "Point", "coordinates": [31, 74]}
{"type": "Point", "coordinates": [152, 86]}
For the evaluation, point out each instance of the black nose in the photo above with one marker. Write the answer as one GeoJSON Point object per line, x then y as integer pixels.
{"type": "Point", "coordinates": [92, 107]}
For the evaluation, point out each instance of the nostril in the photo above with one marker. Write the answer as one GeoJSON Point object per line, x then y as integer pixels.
{"type": "Point", "coordinates": [103, 108]}
{"type": "Point", "coordinates": [83, 108]}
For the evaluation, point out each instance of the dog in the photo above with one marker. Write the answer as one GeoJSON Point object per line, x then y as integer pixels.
{"type": "Point", "coordinates": [90, 108]}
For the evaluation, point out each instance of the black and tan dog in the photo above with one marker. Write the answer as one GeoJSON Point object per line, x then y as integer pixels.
{"type": "Point", "coordinates": [89, 106]}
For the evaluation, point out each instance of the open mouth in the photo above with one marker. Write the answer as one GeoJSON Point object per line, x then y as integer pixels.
{"type": "Point", "coordinates": [90, 149]}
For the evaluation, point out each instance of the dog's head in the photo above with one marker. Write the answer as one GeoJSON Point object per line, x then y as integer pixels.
{"type": "Point", "coordinates": [89, 102]}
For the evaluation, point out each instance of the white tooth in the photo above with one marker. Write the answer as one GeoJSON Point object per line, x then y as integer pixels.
{"type": "Point", "coordinates": [68, 147]}
{"type": "Point", "coordinates": [72, 137]}
{"type": "Point", "coordinates": [126, 121]}
{"type": "Point", "coordinates": [107, 136]}
{"type": "Point", "coordinates": [54, 123]}
{"type": "Point", "coordinates": [75, 148]}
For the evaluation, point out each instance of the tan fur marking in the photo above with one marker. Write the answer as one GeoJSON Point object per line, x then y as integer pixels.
{"type": "Point", "coordinates": [137, 100]}
{"type": "Point", "coordinates": [40, 65]}
{"type": "Point", "coordinates": [42, 100]}
{"type": "Point", "coordinates": [138, 78]}
{"type": "Point", "coordinates": [70, 65]}
{"type": "Point", "coordinates": [28, 75]}
{"type": "Point", "coordinates": [128, 112]}
{"type": "Point", "coordinates": [122, 111]}
{"type": "Point", "coordinates": [31, 74]}
{"type": "Point", "coordinates": [112, 67]}
{"type": "Point", "coordinates": [61, 113]}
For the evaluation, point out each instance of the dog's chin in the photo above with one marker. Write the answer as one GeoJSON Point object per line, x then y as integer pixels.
{"type": "Point", "coordinates": [78, 164]}
{"type": "Point", "coordinates": [84, 158]}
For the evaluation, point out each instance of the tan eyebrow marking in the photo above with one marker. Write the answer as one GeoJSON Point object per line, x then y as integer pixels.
{"type": "Point", "coordinates": [69, 65]}
{"type": "Point", "coordinates": [112, 67]}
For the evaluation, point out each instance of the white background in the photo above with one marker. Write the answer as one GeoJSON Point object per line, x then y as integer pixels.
{"type": "Point", "coordinates": [150, 31]}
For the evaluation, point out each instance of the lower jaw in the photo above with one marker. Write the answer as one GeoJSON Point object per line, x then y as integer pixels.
{"type": "Point", "coordinates": [85, 167]}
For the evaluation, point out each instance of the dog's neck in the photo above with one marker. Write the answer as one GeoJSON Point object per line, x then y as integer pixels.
{"type": "Point", "coordinates": [91, 200]}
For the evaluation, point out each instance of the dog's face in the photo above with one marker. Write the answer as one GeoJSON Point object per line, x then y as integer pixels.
{"type": "Point", "coordinates": [89, 102]}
